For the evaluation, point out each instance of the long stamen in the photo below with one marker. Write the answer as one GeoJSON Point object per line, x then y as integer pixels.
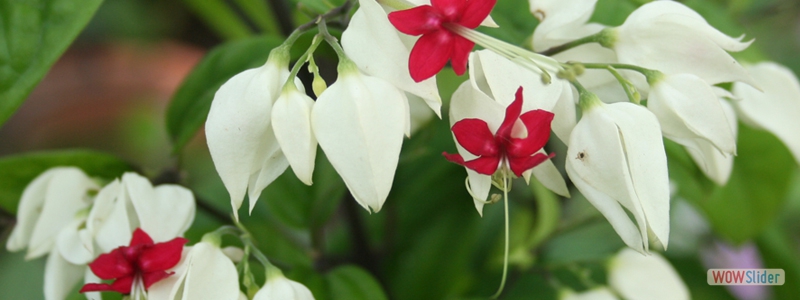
{"type": "Point", "coordinates": [505, 255]}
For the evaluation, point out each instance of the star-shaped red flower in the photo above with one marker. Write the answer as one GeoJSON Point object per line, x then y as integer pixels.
{"type": "Point", "coordinates": [142, 260]}
{"type": "Point", "coordinates": [438, 44]}
{"type": "Point", "coordinates": [520, 153]}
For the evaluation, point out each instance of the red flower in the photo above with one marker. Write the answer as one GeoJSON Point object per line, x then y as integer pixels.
{"type": "Point", "coordinates": [438, 44]}
{"type": "Point", "coordinates": [474, 135]}
{"type": "Point", "coordinates": [142, 261]}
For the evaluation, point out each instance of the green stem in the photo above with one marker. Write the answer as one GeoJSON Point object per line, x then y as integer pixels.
{"type": "Point", "coordinates": [627, 86]}
{"type": "Point", "coordinates": [587, 99]}
{"type": "Point", "coordinates": [505, 254]}
{"type": "Point", "coordinates": [289, 85]}
{"type": "Point", "coordinates": [345, 64]}
{"type": "Point", "coordinates": [595, 38]}
{"type": "Point", "coordinates": [649, 73]}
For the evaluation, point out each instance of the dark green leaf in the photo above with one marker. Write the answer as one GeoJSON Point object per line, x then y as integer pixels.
{"type": "Point", "coordinates": [755, 192]}
{"type": "Point", "coordinates": [33, 35]}
{"type": "Point", "coordinates": [780, 252]}
{"type": "Point", "coordinates": [190, 105]}
{"type": "Point", "coordinates": [19, 170]}
{"type": "Point", "coordinates": [353, 283]}
{"type": "Point", "coordinates": [221, 18]}
{"type": "Point", "coordinates": [592, 242]}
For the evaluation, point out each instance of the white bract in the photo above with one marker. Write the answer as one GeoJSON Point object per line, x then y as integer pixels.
{"type": "Point", "coordinates": [239, 132]}
{"type": "Point", "coordinates": [674, 39]}
{"type": "Point", "coordinates": [777, 108]}
{"type": "Point", "coordinates": [205, 272]}
{"type": "Point", "coordinates": [291, 121]}
{"type": "Point", "coordinates": [635, 276]}
{"type": "Point", "coordinates": [560, 21]}
{"type": "Point", "coordinates": [379, 50]}
{"type": "Point", "coordinates": [690, 113]}
{"type": "Point", "coordinates": [278, 287]}
{"type": "Point", "coordinates": [716, 165]}
{"type": "Point", "coordinates": [359, 122]}
{"type": "Point", "coordinates": [616, 159]}
{"type": "Point", "coordinates": [49, 203]}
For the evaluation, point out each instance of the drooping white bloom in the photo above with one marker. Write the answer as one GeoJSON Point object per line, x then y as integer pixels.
{"type": "Point", "coordinates": [60, 276]}
{"type": "Point", "coordinates": [777, 108]}
{"type": "Point", "coordinates": [672, 38]}
{"type": "Point", "coordinates": [636, 276]}
{"type": "Point", "coordinates": [291, 121]}
{"type": "Point", "coordinates": [616, 159]}
{"type": "Point", "coordinates": [278, 287]}
{"type": "Point", "coordinates": [601, 293]}
{"type": "Point", "coordinates": [204, 273]}
{"type": "Point", "coordinates": [359, 122]}
{"type": "Point", "coordinates": [239, 132]}
{"type": "Point", "coordinates": [716, 165]}
{"type": "Point", "coordinates": [559, 21]}
{"type": "Point", "coordinates": [690, 113]}
{"type": "Point", "coordinates": [379, 50]}
{"type": "Point", "coordinates": [48, 204]}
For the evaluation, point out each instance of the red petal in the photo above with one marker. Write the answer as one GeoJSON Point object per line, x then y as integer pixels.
{"type": "Point", "coordinates": [430, 54]}
{"type": "Point", "coordinates": [537, 123]}
{"type": "Point", "coordinates": [153, 277]}
{"type": "Point", "coordinates": [96, 287]}
{"type": "Point", "coordinates": [415, 21]}
{"type": "Point", "coordinates": [461, 49]}
{"type": "Point", "coordinates": [475, 12]}
{"type": "Point", "coordinates": [454, 158]}
{"type": "Point", "coordinates": [474, 135]}
{"type": "Point", "coordinates": [485, 165]}
{"type": "Point", "coordinates": [123, 285]}
{"type": "Point", "coordinates": [140, 238]}
{"type": "Point", "coordinates": [521, 164]}
{"type": "Point", "coordinates": [512, 114]}
{"type": "Point", "coordinates": [112, 265]}
{"type": "Point", "coordinates": [451, 10]}
{"type": "Point", "coordinates": [161, 256]}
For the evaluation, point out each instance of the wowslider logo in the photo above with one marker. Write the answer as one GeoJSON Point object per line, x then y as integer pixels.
{"type": "Point", "coordinates": [746, 277]}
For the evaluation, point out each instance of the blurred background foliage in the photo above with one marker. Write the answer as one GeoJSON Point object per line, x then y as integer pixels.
{"type": "Point", "coordinates": [135, 87]}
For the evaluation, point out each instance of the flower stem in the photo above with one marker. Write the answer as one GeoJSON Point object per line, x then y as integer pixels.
{"type": "Point", "coordinates": [345, 64]}
{"type": "Point", "coordinates": [627, 86]}
{"type": "Point", "coordinates": [289, 85]}
{"type": "Point", "coordinates": [649, 73]}
{"type": "Point", "coordinates": [594, 38]}
{"type": "Point", "coordinates": [505, 254]}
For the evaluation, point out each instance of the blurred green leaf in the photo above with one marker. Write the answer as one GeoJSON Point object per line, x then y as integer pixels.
{"type": "Point", "coordinates": [755, 191]}
{"type": "Point", "coordinates": [261, 13]}
{"type": "Point", "coordinates": [190, 105]}
{"type": "Point", "coordinates": [17, 171]}
{"type": "Point", "coordinates": [353, 283]}
{"type": "Point", "coordinates": [301, 206]}
{"type": "Point", "coordinates": [221, 18]}
{"type": "Point", "coordinates": [33, 35]}
{"type": "Point", "coordinates": [614, 12]}
{"type": "Point", "coordinates": [591, 242]}
{"type": "Point", "coordinates": [515, 20]}
{"type": "Point", "coordinates": [781, 252]}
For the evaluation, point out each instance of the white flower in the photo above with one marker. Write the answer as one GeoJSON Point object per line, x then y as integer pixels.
{"type": "Point", "coordinates": [690, 113]}
{"type": "Point", "coordinates": [636, 276]}
{"type": "Point", "coordinates": [60, 276]}
{"type": "Point", "coordinates": [559, 21]}
{"type": "Point", "coordinates": [379, 50]}
{"type": "Point", "coordinates": [278, 287]}
{"type": "Point", "coordinates": [716, 165]}
{"type": "Point", "coordinates": [601, 293]}
{"type": "Point", "coordinates": [359, 122]}
{"type": "Point", "coordinates": [49, 203]}
{"type": "Point", "coordinates": [616, 159]}
{"type": "Point", "coordinates": [777, 108]}
{"type": "Point", "coordinates": [205, 272]}
{"type": "Point", "coordinates": [239, 131]}
{"type": "Point", "coordinates": [291, 121]}
{"type": "Point", "coordinates": [672, 38]}
{"type": "Point", "coordinates": [164, 212]}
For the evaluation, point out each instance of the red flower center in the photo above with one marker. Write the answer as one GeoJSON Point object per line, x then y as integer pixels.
{"type": "Point", "coordinates": [438, 44]}
{"type": "Point", "coordinates": [142, 260]}
{"type": "Point", "coordinates": [492, 149]}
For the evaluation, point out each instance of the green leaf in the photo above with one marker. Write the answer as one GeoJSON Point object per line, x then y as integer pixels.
{"type": "Point", "coordinates": [593, 242]}
{"type": "Point", "coordinates": [353, 283]}
{"type": "Point", "coordinates": [33, 35]}
{"type": "Point", "coordinates": [780, 252]}
{"type": "Point", "coordinates": [190, 105]}
{"type": "Point", "coordinates": [18, 170]}
{"type": "Point", "coordinates": [756, 190]}
{"type": "Point", "coordinates": [221, 18]}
